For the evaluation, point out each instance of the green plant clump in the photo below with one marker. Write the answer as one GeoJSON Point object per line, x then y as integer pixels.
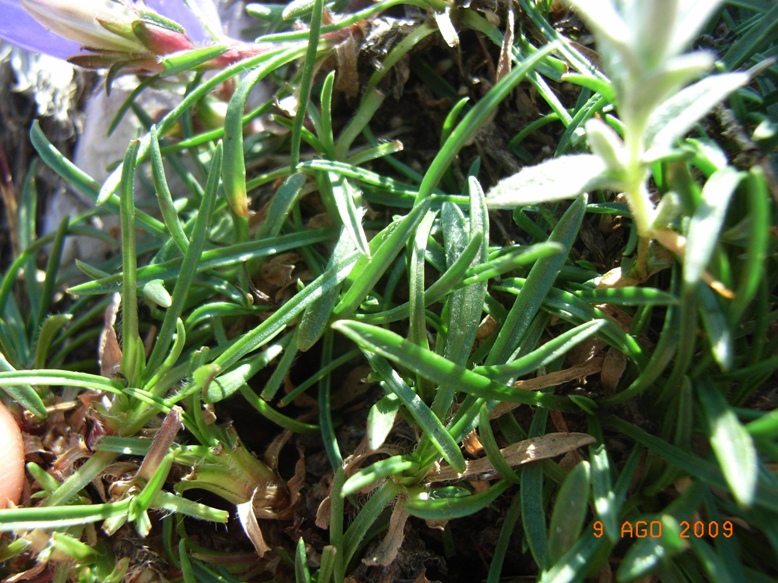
{"type": "Point", "coordinates": [474, 292]}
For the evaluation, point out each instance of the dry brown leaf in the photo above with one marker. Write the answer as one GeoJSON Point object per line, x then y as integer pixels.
{"type": "Point", "coordinates": [506, 52]}
{"type": "Point", "coordinates": [550, 380]}
{"type": "Point", "coordinates": [109, 353]}
{"type": "Point", "coordinates": [273, 451]}
{"type": "Point", "coordinates": [297, 482]}
{"type": "Point", "coordinates": [277, 271]}
{"type": "Point", "coordinates": [516, 454]}
{"type": "Point", "coordinates": [323, 514]}
{"type": "Point", "coordinates": [486, 327]}
{"type": "Point", "coordinates": [613, 367]}
{"type": "Point", "coordinates": [584, 352]}
{"type": "Point", "coordinates": [386, 551]}
{"type": "Point", "coordinates": [353, 387]}
{"type": "Point", "coordinates": [472, 444]}
{"type": "Point", "coordinates": [558, 419]}
{"type": "Point", "coordinates": [29, 574]}
{"type": "Point", "coordinates": [160, 446]}
{"type": "Point", "coordinates": [248, 521]}
{"type": "Point", "coordinates": [347, 77]}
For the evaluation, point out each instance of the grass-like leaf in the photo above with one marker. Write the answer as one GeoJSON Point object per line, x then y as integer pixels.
{"type": "Point", "coordinates": [428, 422]}
{"type": "Point", "coordinates": [438, 369]}
{"type": "Point", "coordinates": [423, 505]}
{"type": "Point", "coordinates": [569, 512]}
{"type": "Point", "coordinates": [732, 444]}
{"type": "Point", "coordinates": [707, 220]}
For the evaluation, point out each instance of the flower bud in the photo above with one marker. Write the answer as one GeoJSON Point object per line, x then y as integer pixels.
{"type": "Point", "coordinates": [160, 40]}
{"type": "Point", "coordinates": [95, 24]}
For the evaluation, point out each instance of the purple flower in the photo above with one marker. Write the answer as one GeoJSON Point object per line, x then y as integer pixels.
{"type": "Point", "coordinates": [63, 28]}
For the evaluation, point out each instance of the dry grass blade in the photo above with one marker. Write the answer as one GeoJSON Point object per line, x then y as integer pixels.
{"type": "Point", "coordinates": [516, 454]}
{"type": "Point", "coordinates": [553, 379]}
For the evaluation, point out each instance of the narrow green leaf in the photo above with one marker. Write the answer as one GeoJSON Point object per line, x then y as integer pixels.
{"type": "Point", "coordinates": [347, 198]}
{"type": "Point", "coordinates": [627, 296]}
{"type": "Point", "coordinates": [753, 268]}
{"type": "Point", "coordinates": [370, 103]}
{"type": "Point", "coordinates": [510, 259]}
{"type": "Point", "coordinates": [506, 532]}
{"type": "Point", "coordinates": [132, 350]}
{"type": "Point", "coordinates": [576, 564]}
{"type": "Point", "coordinates": [232, 255]}
{"type": "Point", "coordinates": [280, 205]}
{"type": "Point", "coordinates": [595, 84]}
{"type": "Point", "coordinates": [707, 220]}
{"type": "Point", "coordinates": [380, 261]}
{"type": "Point", "coordinates": [492, 449]}
{"type": "Point", "coordinates": [475, 118]}
{"type": "Point", "coordinates": [52, 274]}
{"type": "Point", "coordinates": [709, 473]}
{"type": "Point", "coordinates": [269, 413]}
{"type": "Point", "coordinates": [336, 525]}
{"type": "Point", "coordinates": [648, 553]}
{"type": "Point", "coordinates": [59, 517]}
{"type": "Point", "coordinates": [449, 280]}
{"type": "Point", "coordinates": [380, 420]}
{"type": "Point", "coordinates": [605, 502]}
{"type": "Point", "coordinates": [424, 505]}
{"type": "Point", "coordinates": [315, 318]}
{"type": "Point", "coordinates": [49, 329]}
{"type": "Point", "coordinates": [429, 423]}
{"type": "Point", "coordinates": [282, 367]}
{"type": "Point", "coordinates": [184, 61]}
{"type": "Point", "coordinates": [417, 317]}
{"type": "Point", "coordinates": [754, 40]}
{"type": "Point", "coordinates": [306, 78]}
{"type": "Point", "coordinates": [717, 327]}
{"type": "Point", "coordinates": [354, 536]}
{"type": "Point", "coordinates": [301, 572]}
{"type": "Point", "coordinates": [539, 281]}
{"type": "Point", "coordinates": [465, 305]}
{"type": "Point", "coordinates": [155, 293]}
{"type": "Point", "coordinates": [227, 383]}
{"type": "Point", "coordinates": [393, 466]}
{"type": "Point", "coordinates": [189, 263]}
{"type": "Point", "coordinates": [325, 135]}
{"type": "Point", "coordinates": [549, 352]}
{"type": "Point", "coordinates": [164, 197]}
{"type": "Point", "coordinates": [327, 564]}
{"type": "Point", "coordinates": [732, 444]}
{"type": "Point", "coordinates": [439, 369]}
{"type": "Point", "coordinates": [532, 501]}
{"type": "Point", "coordinates": [570, 508]}
{"type": "Point", "coordinates": [186, 564]}
{"type": "Point", "coordinates": [21, 392]}
{"type": "Point", "coordinates": [713, 564]}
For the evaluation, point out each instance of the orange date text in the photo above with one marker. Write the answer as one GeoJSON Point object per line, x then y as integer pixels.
{"type": "Point", "coordinates": [653, 529]}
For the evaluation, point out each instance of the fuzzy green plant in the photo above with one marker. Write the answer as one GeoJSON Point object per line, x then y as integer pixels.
{"type": "Point", "coordinates": [642, 46]}
{"type": "Point", "coordinates": [505, 385]}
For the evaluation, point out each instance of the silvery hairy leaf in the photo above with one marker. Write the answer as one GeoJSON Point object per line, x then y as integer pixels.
{"type": "Point", "coordinates": [668, 209]}
{"type": "Point", "coordinates": [643, 98]}
{"type": "Point", "coordinates": [691, 18]}
{"type": "Point", "coordinates": [608, 145]}
{"type": "Point", "coordinates": [614, 38]}
{"type": "Point", "coordinates": [707, 220]}
{"type": "Point", "coordinates": [551, 180]}
{"type": "Point", "coordinates": [673, 118]}
{"type": "Point", "coordinates": [652, 26]}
